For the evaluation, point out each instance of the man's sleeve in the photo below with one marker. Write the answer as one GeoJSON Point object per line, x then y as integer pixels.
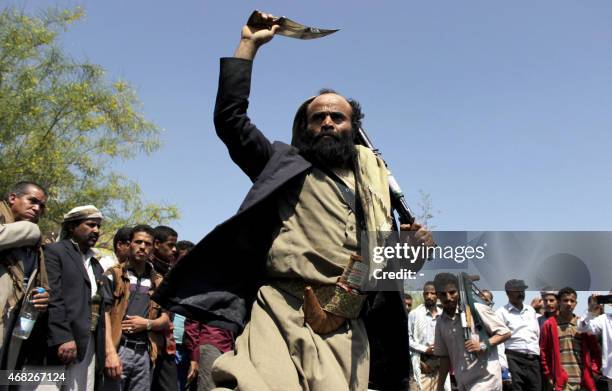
{"type": "Point", "coordinates": [191, 339]}
{"type": "Point", "coordinates": [544, 350]}
{"type": "Point", "coordinates": [18, 234]}
{"type": "Point", "coordinates": [413, 343]}
{"type": "Point", "coordinates": [492, 322]}
{"type": "Point", "coordinates": [440, 348]}
{"type": "Point", "coordinates": [59, 327]}
{"type": "Point", "coordinates": [500, 314]}
{"type": "Point", "coordinates": [247, 145]}
{"type": "Point", "coordinates": [107, 290]}
{"type": "Point", "coordinates": [591, 325]}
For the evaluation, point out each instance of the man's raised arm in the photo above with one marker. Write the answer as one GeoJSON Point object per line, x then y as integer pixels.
{"type": "Point", "coordinates": [247, 146]}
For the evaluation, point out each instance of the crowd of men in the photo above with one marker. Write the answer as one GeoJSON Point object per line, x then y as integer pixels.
{"type": "Point", "coordinates": [522, 349]}
{"type": "Point", "coordinates": [101, 326]}
{"type": "Point", "coordinates": [287, 309]}
{"type": "Point", "coordinates": [96, 319]}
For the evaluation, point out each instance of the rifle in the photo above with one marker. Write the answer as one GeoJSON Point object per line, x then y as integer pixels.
{"type": "Point", "coordinates": [465, 312]}
{"type": "Point", "coordinates": [397, 196]}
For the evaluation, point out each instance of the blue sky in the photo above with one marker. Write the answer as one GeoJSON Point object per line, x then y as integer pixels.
{"type": "Point", "coordinates": [501, 111]}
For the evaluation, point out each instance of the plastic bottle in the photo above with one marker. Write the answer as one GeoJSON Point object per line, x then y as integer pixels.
{"type": "Point", "coordinates": [27, 317]}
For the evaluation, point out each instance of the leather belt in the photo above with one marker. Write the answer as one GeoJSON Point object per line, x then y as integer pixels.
{"type": "Point", "coordinates": [528, 356]}
{"type": "Point", "coordinates": [135, 345]}
{"type": "Point", "coordinates": [331, 297]}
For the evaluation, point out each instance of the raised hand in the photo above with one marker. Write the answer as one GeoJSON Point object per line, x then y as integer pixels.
{"type": "Point", "coordinates": [253, 36]}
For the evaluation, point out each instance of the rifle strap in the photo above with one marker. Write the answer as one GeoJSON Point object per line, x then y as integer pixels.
{"type": "Point", "coordinates": [348, 194]}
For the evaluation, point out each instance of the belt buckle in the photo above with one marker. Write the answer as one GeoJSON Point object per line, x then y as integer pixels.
{"type": "Point", "coordinates": [135, 345]}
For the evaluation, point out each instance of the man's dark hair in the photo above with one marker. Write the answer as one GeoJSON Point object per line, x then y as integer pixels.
{"type": "Point", "coordinates": [20, 188]}
{"type": "Point", "coordinates": [442, 280]}
{"type": "Point", "coordinates": [429, 283]}
{"type": "Point", "coordinates": [163, 232]}
{"type": "Point", "coordinates": [487, 292]}
{"type": "Point", "coordinates": [184, 245]}
{"type": "Point", "coordinates": [567, 291]}
{"type": "Point", "coordinates": [68, 227]}
{"type": "Point", "coordinates": [407, 296]}
{"type": "Point", "coordinates": [141, 228]}
{"type": "Point", "coordinates": [122, 235]}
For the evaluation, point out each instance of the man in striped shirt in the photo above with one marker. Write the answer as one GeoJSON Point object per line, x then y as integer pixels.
{"type": "Point", "coordinates": [564, 352]}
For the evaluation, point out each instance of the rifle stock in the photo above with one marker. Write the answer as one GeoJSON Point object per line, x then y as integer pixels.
{"type": "Point", "coordinates": [467, 319]}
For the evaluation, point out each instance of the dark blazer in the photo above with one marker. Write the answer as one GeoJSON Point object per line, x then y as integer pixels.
{"type": "Point", "coordinates": [217, 281]}
{"type": "Point", "coordinates": [70, 299]}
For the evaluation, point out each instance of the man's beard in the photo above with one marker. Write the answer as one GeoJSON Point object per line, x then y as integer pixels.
{"type": "Point", "coordinates": [331, 149]}
{"type": "Point", "coordinates": [430, 303]}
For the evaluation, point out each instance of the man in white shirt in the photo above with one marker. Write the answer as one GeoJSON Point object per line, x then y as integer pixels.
{"type": "Point", "coordinates": [422, 333]}
{"type": "Point", "coordinates": [600, 325]}
{"type": "Point", "coordinates": [522, 348]}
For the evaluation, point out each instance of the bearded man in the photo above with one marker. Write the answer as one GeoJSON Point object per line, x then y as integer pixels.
{"type": "Point", "coordinates": [422, 331]}
{"type": "Point", "coordinates": [277, 261]}
{"type": "Point", "coordinates": [76, 327]}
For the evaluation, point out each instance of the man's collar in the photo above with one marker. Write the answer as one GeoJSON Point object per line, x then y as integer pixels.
{"type": "Point", "coordinates": [160, 266]}
{"type": "Point", "coordinates": [6, 213]}
{"type": "Point", "coordinates": [90, 252]}
{"type": "Point", "coordinates": [454, 315]}
{"type": "Point", "coordinates": [130, 267]}
{"type": "Point", "coordinates": [437, 306]}
{"type": "Point", "coordinates": [573, 319]}
{"type": "Point", "coordinates": [511, 307]}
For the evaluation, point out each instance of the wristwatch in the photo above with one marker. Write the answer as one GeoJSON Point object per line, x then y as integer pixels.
{"type": "Point", "coordinates": [483, 346]}
{"type": "Point", "coordinates": [149, 324]}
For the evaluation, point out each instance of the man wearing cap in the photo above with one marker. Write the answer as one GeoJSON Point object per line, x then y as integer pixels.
{"type": "Point", "coordinates": [76, 329]}
{"type": "Point", "coordinates": [292, 239]}
{"type": "Point", "coordinates": [550, 303]}
{"type": "Point", "coordinates": [523, 346]}
{"type": "Point", "coordinates": [22, 268]}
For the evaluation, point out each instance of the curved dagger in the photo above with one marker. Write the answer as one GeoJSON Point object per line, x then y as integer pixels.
{"type": "Point", "coordinates": [288, 27]}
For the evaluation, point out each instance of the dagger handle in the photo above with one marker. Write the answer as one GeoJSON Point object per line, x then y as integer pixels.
{"type": "Point", "coordinates": [257, 21]}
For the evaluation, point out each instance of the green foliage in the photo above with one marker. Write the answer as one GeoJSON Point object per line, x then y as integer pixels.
{"type": "Point", "coordinates": [425, 210]}
{"type": "Point", "coordinates": [62, 122]}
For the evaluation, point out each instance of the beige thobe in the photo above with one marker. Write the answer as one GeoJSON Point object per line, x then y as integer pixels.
{"type": "Point", "coordinates": [276, 350]}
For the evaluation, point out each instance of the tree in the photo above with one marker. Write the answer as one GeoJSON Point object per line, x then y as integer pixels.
{"type": "Point", "coordinates": [62, 122]}
{"type": "Point", "coordinates": [425, 210]}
